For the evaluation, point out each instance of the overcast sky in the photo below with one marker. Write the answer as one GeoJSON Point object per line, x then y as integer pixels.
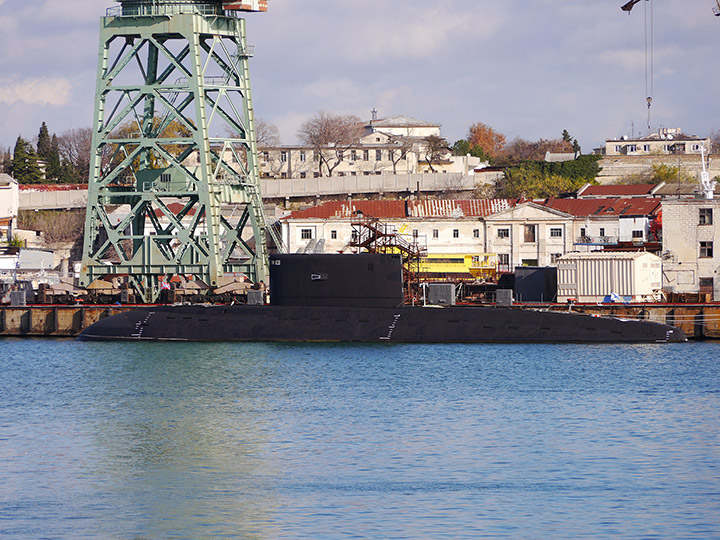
{"type": "Point", "coordinates": [528, 68]}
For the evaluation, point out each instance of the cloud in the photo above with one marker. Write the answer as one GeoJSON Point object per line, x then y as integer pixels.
{"type": "Point", "coordinates": [36, 91]}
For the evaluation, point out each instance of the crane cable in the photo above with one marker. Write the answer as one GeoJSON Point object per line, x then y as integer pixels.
{"type": "Point", "coordinates": [649, 60]}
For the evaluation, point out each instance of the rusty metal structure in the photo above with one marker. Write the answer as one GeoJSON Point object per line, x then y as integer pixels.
{"type": "Point", "coordinates": [373, 236]}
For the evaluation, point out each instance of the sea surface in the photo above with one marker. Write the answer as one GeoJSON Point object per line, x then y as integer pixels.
{"type": "Point", "coordinates": [335, 441]}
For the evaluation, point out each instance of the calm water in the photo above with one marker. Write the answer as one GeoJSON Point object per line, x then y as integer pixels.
{"type": "Point", "coordinates": [268, 441]}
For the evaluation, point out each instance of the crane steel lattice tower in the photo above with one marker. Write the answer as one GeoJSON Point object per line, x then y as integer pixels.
{"type": "Point", "coordinates": [173, 141]}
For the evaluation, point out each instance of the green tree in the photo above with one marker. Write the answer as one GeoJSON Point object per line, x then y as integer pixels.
{"type": "Point", "coordinates": [44, 144]}
{"type": "Point", "coordinates": [25, 168]}
{"type": "Point", "coordinates": [463, 148]}
{"type": "Point", "coordinates": [530, 181]}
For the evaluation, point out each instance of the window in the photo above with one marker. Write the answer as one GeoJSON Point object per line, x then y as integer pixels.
{"type": "Point", "coordinates": [503, 233]}
{"type": "Point", "coordinates": [266, 156]}
{"type": "Point", "coordinates": [316, 156]}
{"type": "Point", "coordinates": [341, 155]}
{"type": "Point", "coordinates": [378, 155]}
{"type": "Point", "coordinates": [695, 147]}
{"type": "Point", "coordinates": [436, 233]}
{"type": "Point", "coordinates": [283, 156]}
{"type": "Point", "coordinates": [353, 155]}
{"type": "Point", "coordinates": [390, 155]}
{"type": "Point", "coordinates": [456, 233]}
{"type": "Point", "coordinates": [646, 147]}
{"type": "Point", "coordinates": [333, 235]}
{"type": "Point", "coordinates": [306, 234]}
{"type": "Point", "coordinates": [706, 250]}
{"type": "Point", "coordinates": [476, 233]}
{"type": "Point", "coordinates": [582, 232]}
{"type": "Point", "coordinates": [554, 257]}
{"type": "Point", "coordinates": [632, 148]}
{"type": "Point", "coordinates": [303, 175]}
{"type": "Point", "coordinates": [556, 232]}
{"type": "Point", "coordinates": [530, 234]}
{"type": "Point", "coordinates": [366, 155]}
{"type": "Point", "coordinates": [706, 216]}
{"type": "Point", "coordinates": [637, 235]}
{"type": "Point", "coordinates": [302, 156]}
{"type": "Point", "coordinates": [504, 261]}
{"type": "Point", "coordinates": [415, 234]}
{"type": "Point", "coordinates": [602, 231]}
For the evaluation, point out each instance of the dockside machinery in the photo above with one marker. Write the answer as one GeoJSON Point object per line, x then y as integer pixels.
{"type": "Point", "coordinates": [173, 187]}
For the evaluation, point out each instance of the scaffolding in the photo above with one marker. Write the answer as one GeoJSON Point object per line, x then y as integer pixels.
{"type": "Point", "coordinates": [371, 235]}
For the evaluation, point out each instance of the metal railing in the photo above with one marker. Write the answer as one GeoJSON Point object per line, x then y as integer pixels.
{"type": "Point", "coordinates": [597, 240]}
{"type": "Point", "coordinates": [140, 10]}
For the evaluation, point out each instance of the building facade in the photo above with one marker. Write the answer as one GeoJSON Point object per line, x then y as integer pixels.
{"type": "Point", "coordinates": [9, 204]}
{"type": "Point", "coordinates": [691, 262]}
{"type": "Point", "coordinates": [396, 145]}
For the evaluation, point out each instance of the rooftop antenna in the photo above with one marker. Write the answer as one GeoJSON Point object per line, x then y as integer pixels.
{"type": "Point", "coordinates": [708, 185]}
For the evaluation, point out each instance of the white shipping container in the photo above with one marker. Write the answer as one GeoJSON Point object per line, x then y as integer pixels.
{"type": "Point", "coordinates": [593, 277]}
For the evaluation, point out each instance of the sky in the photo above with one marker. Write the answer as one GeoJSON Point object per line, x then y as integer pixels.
{"type": "Point", "coordinates": [527, 68]}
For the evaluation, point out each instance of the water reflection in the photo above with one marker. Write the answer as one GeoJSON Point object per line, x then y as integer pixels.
{"type": "Point", "coordinates": [336, 441]}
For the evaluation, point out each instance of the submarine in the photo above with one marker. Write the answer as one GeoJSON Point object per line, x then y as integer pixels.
{"type": "Point", "coordinates": [359, 298]}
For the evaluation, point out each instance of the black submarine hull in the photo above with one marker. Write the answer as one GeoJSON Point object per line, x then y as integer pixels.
{"type": "Point", "coordinates": [452, 324]}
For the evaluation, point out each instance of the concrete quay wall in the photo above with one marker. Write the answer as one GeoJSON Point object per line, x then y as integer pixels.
{"type": "Point", "coordinates": [52, 321]}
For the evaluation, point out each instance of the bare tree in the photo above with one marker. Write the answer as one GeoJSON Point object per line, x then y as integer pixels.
{"type": "Point", "coordinates": [436, 148]}
{"type": "Point", "coordinates": [330, 136]}
{"type": "Point", "coordinates": [75, 147]}
{"type": "Point", "coordinates": [266, 133]}
{"type": "Point", "coordinates": [715, 141]}
{"type": "Point", "coordinates": [400, 146]}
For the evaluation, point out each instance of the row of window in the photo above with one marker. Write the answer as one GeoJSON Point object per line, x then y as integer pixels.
{"type": "Point", "coordinates": [666, 147]}
{"type": "Point", "coordinates": [353, 154]}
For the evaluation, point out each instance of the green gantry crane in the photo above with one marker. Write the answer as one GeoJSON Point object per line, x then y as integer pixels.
{"type": "Point", "coordinates": [174, 148]}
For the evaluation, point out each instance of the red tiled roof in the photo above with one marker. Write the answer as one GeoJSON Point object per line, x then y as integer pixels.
{"type": "Point", "coordinates": [52, 187]}
{"type": "Point", "coordinates": [347, 209]}
{"type": "Point", "coordinates": [640, 206]}
{"type": "Point", "coordinates": [617, 190]}
{"type": "Point", "coordinates": [457, 208]}
{"type": "Point", "coordinates": [175, 208]}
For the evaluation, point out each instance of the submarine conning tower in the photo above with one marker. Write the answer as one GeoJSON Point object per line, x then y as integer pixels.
{"type": "Point", "coordinates": [174, 183]}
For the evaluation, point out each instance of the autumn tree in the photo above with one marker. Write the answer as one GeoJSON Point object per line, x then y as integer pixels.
{"type": "Point", "coordinates": [482, 135]}
{"type": "Point", "coordinates": [330, 136]}
{"type": "Point", "coordinates": [520, 150]}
